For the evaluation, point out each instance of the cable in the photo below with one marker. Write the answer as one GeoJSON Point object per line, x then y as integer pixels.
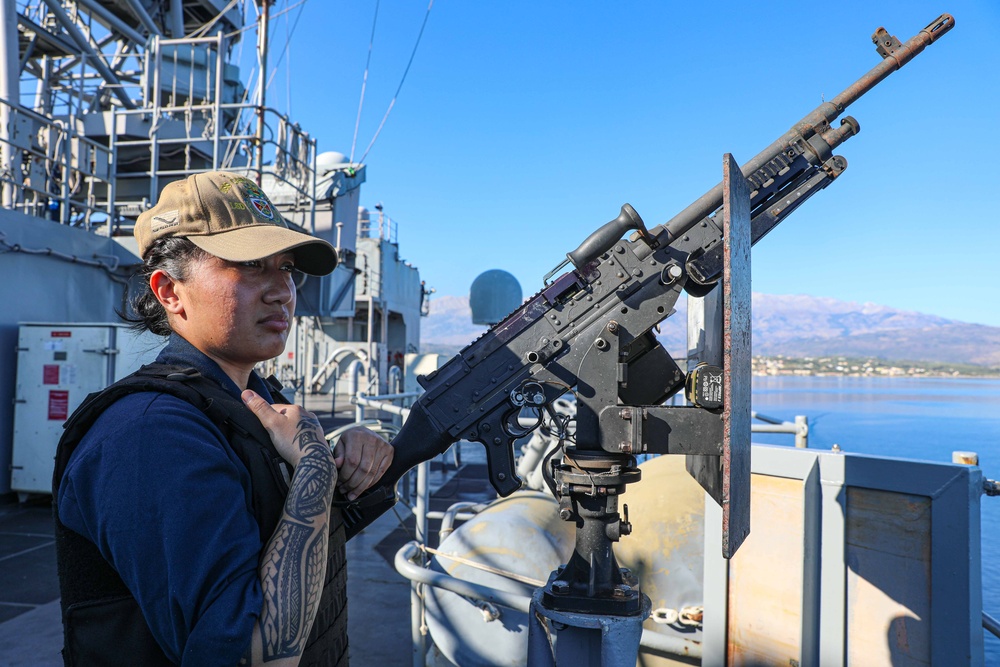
{"type": "Point", "coordinates": [547, 471]}
{"type": "Point", "coordinates": [254, 25]}
{"type": "Point", "coordinates": [521, 578]}
{"type": "Point", "coordinates": [364, 84]}
{"type": "Point", "coordinates": [288, 64]}
{"type": "Point", "coordinates": [400, 87]}
{"type": "Point", "coordinates": [288, 38]}
{"type": "Point", "coordinates": [203, 30]}
{"type": "Point", "coordinates": [108, 268]}
{"type": "Point", "coordinates": [562, 422]}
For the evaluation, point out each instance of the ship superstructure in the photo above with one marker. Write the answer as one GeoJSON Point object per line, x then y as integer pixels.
{"type": "Point", "coordinates": [102, 103]}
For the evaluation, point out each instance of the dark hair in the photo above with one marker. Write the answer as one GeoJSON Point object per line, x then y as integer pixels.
{"type": "Point", "coordinates": [173, 255]}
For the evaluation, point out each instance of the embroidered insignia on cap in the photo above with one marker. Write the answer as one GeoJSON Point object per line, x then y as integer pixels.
{"type": "Point", "coordinates": [165, 220]}
{"type": "Point", "coordinates": [255, 198]}
{"type": "Point", "coordinates": [262, 207]}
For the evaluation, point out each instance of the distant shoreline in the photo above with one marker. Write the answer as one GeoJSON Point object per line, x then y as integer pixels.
{"type": "Point", "coordinates": [830, 366]}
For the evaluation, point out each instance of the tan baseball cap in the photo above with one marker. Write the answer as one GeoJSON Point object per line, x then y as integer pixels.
{"type": "Point", "coordinates": [230, 217]}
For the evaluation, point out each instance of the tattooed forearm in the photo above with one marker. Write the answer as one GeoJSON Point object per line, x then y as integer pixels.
{"type": "Point", "coordinates": [292, 583]}
{"type": "Point", "coordinates": [281, 571]}
{"type": "Point", "coordinates": [313, 485]}
{"type": "Point", "coordinates": [294, 562]}
{"type": "Point", "coordinates": [316, 573]}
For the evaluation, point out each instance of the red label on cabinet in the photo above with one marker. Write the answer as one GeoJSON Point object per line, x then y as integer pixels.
{"type": "Point", "coordinates": [58, 404]}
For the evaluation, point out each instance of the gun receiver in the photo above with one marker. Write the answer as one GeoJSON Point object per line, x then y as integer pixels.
{"type": "Point", "coordinates": [597, 320]}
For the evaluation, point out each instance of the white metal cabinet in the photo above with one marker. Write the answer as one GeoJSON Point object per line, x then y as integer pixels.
{"type": "Point", "coordinates": [58, 365]}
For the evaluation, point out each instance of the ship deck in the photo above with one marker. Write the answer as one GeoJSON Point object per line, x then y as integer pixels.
{"type": "Point", "coordinates": [379, 617]}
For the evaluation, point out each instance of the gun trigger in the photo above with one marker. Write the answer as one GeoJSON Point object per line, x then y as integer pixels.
{"type": "Point", "coordinates": [500, 462]}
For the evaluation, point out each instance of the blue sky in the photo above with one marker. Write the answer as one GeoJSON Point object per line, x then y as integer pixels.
{"type": "Point", "coordinates": [523, 126]}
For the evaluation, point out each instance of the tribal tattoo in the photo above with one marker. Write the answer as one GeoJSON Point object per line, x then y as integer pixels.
{"type": "Point", "coordinates": [309, 434]}
{"type": "Point", "coordinates": [314, 480]}
{"type": "Point", "coordinates": [292, 583]}
{"type": "Point", "coordinates": [294, 564]}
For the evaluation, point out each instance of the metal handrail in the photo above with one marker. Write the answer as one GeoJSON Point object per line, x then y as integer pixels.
{"type": "Point", "coordinates": [991, 624]}
{"type": "Point", "coordinates": [799, 428]}
{"type": "Point", "coordinates": [304, 185]}
{"type": "Point", "coordinates": [178, 79]}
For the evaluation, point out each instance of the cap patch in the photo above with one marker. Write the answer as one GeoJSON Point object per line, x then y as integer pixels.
{"type": "Point", "coordinates": [164, 220]}
{"type": "Point", "coordinates": [254, 198]}
{"type": "Point", "coordinates": [261, 207]}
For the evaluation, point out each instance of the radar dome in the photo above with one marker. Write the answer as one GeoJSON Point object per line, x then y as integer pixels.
{"type": "Point", "coordinates": [329, 160]}
{"type": "Point", "coordinates": [494, 295]}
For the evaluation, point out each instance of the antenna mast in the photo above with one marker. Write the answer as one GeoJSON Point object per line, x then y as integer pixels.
{"type": "Point", "coordinates": [262, 29]}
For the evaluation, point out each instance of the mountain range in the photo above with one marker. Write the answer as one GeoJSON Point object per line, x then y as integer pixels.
{"type": "Point", "coordinates": [788, 325]}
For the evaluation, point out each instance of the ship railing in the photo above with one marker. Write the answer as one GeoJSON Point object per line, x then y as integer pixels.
{"type": "Point", "coordinates": [330, 368]}
{"type": "Point", "coordinates": [799, 428]}
{"type": "Point", "coordinates": [216, 134]}
{"type": "Point", "coordinates": [412, 561]}
{"type": "Point", "coordinates": [388, 229]}
{"type": "Point", "coordinates": [182, 116]}
{"type": "Point", "coordinates": [294, 151]}
{"type": "Point", "coordinates": [409, 560]}
{"type": "Point", "coordinates": [991, 625]}
{"type": "Point", "coordinates": [49, 169]}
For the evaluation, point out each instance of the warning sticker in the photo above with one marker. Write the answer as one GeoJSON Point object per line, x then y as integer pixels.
{"type": "Point", "coordinates": [50, 374]}
{"type": "Point", "coordinates": [62, 334]}
{"type": "Point", "coordinates": [58, 404]}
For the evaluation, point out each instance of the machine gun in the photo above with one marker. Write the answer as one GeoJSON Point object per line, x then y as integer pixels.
{"type": "Point", "coordinates": [590, 332]}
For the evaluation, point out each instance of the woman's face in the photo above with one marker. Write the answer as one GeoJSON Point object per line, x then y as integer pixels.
{"type": "Point", "coordinates": [237, 313]}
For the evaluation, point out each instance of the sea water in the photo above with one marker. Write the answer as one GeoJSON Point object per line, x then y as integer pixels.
{"type": "Point", "coordinates": [919, 418]}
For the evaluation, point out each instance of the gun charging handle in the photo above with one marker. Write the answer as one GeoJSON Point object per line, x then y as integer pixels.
{"type": "Point", "coordinates": [604, 238]}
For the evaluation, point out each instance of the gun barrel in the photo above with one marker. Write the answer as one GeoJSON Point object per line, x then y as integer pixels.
{"type": "Point", "coordinates": [894, 54]}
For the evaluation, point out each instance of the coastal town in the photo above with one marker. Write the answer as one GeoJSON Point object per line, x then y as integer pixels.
{"type": "Point", "coordinates": [866, 367]}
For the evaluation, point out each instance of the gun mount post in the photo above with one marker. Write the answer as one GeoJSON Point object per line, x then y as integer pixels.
{"type": "Point", "coordinates": [595, 607]}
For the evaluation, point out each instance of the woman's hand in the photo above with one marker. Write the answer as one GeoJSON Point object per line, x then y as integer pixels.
{"type": "Point", "coordinates": [293, 430]}
{"type": "Point", "coordinates": [361, 458]}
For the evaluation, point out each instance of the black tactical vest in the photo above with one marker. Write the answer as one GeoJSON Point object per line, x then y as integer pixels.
{"type": "Point", "coordinates": [102, 622]}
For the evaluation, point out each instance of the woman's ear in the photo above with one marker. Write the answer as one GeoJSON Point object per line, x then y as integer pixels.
{"type": "Point", "coordinates": [164, 288]}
